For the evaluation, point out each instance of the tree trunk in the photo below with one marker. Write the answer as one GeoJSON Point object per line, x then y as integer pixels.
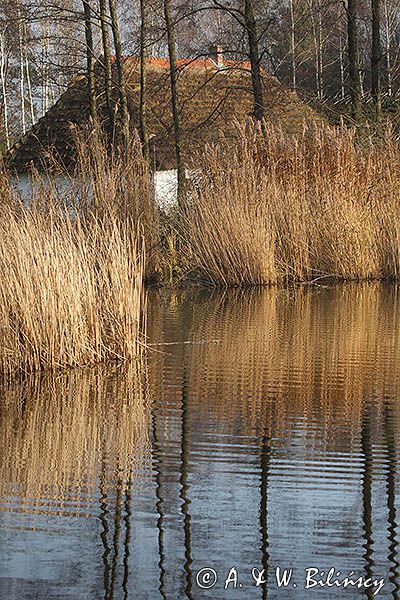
{"type": "Point", "coordinates": [142, 110]}
{"type": "Point", "coordinates": [105, 35]}
{"type": "Point", "coordinates": [251, 29]}
{"type": "Point", "coordinates": [320, 52]}
{"type": "Point", "coordinates": [293, 46]}
{"type": "Point", "coordinates": [387, 50]}
{"type": "Point", "coordinates": [342, 80]}
{"type": "Point", "coordinates": [316, 53]}
{"type": "Point", "coordinates": [174, 103]}
{"type": "Point", "coordinates": [22, 72]}
{"type": "Point", "coordinates": [361, 76]}
{"type": "Point", "coordinates": [315, 10]}
{"type": "Point", "coordinates": [29, 83]}
{"type": "Point", "coordinates": [376, 58]}
{"type": "Point", "coordinates": [4, 57]}
{"type": "Point", "coordinates": [44, 67]}
{"type": "Point", "coordinates": [354, 73]}
{"type": "Point", "coordinates": [120, 70]}
{"type": "Point", "coordinates": [91, 81]}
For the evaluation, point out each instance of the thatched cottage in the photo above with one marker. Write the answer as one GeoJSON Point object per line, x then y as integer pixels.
{"type": "Point", "coordinates": [214, 94]}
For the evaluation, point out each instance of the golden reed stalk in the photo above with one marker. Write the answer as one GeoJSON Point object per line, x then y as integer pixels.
{"type": "Point", "coordinates": [276, 208]}
{"type": "Point", "coordinates": [72, 265]}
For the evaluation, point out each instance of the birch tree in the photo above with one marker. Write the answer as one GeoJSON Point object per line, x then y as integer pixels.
{"type": "Point", "coordinates": [387, 48]}
{"type": "Point", "coordinates": [354, 73]}
{"type": "Point", "coordinates": [45, 65]}
{"type": "Point", "coordinates": [4, 59]}
{"type": "Point", "coordinates": [293, 45]}
{"type": "Point", "coordinates": [22, 72]}
{"type": "Point", "coordinates": [30, 92]}
{"type": "Point", "coordinates": [376, 57]}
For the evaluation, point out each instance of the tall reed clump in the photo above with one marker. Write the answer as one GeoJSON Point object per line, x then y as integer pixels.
{"type": "Point", "coordinates": [72, 265]}
{"type": "Point", "coordinates": [118, 184]}
{"type": "Point", "coordinates": [281, 208]}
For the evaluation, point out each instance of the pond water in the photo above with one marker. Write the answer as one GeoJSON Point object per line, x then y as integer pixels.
{"type": "Point", "coordinates": [261, 432]}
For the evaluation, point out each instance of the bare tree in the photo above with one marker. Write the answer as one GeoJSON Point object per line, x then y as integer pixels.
{"type": "Point", "coordinates": [388, 48]}
{"type": "Point", "coordinates": [120, 70]}
{"type": "Point", "coordinates": [376, 57]}
{"type": "Point", "coordinates": [45, 75]}
{"type": "Point", "coordinates": [354, 73]}
{"type": "Point", "coordinates": [4, 60]}
{"type": "Point", "coordinates": [90, 60]}
{"type": "Point", "coordinates": [43, 49]}
{"type": "Point", "coordinates": [22, 71]}
{"type": "Point", "coordinates": [342, 73]}
{"type": "Point", "coordinates": [244, 14]}
{"type": "Point", "coordinates": [251, 29]}
{"type": "Point", "coordinates": [29, 83]}
{"type": "Point", "coordinates": [107, 61]}
{"type": "Point", "coordinates": [174, 101]}
{"type": "Point", "coordinates": [316, 19]}
{"type": "Point", "coordinates": [293, 44]}
{"type": "Point", "coordinates": [142, 110]}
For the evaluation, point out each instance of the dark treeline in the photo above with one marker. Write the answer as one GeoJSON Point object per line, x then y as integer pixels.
{"type": "Point", "coordinates": [342, 55]}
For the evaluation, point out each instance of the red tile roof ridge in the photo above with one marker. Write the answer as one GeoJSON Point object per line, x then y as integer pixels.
{"type": "Point", "coordinates": [205, 62]}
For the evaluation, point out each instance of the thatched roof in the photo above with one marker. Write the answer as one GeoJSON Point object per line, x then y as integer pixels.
{"type": "Point", "coordinates": [212, 100]}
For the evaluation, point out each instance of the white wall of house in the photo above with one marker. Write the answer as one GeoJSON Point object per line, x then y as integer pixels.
{"type": "Point", "coordinates": [165, 187]}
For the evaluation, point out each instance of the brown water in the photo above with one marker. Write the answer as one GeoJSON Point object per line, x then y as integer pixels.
{"type": "Point", "coordinates": [262, 432]}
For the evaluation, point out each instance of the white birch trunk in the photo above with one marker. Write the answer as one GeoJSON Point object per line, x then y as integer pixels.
{"type": "Point", "coordinates": [3, 74]}
{"type": "Point", "coordinates": [28, 81]}
{"type": "Point", "coordinates": [387, 50]}
{"type": "Point", "coordinates": [316, 51]}
{"type": "Point", "coordinates": [29, 85]}
{"type": "Point", "coordinates": [293, 46]}
{"type": "Point", "coordinates": [342, 78]}
{"type": "Point", "coordinates": [22, 73]}
{"type": "Point", "coordinates": [45, 68]}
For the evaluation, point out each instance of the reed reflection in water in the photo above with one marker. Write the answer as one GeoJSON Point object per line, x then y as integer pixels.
{"type": "Point", "coordinates": [72, 448]}
{"type": "Point", "coordinates": [262, 432]}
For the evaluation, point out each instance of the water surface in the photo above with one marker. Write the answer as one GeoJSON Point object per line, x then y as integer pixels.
{"type": "Point", "coordinates": [262, 431]}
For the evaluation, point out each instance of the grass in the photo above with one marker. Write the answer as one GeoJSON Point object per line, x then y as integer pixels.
{"type": "Point", "coordinates": [73, 266]}
{"type": "Point", "coordinates": [280, 208]}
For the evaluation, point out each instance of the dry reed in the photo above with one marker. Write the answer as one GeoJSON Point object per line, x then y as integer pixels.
{"type": "Point", "coordinates": [278, 208]}
{"type": "Point", "coordinates": [72, 266]}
